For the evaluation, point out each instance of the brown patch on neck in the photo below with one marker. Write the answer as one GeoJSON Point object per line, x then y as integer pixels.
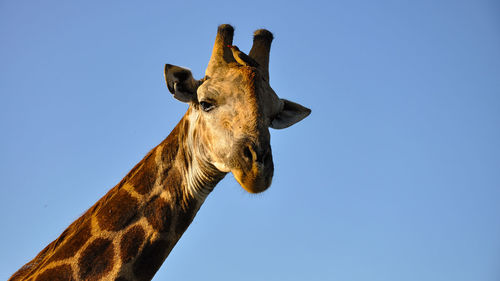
{"type": "Point", "coordinates": [185, 215]}
{"type": "Point", "coordinates": [58, 273]}
{"type": "Point", "coordinates": [96, 260]}
{"type": "Point", "coordinates": [131, 241]}
{"type": "Point", "coordinates": [73, 243]}
{"type": "Point", "coordinates": [150, 259]}
{"type": "Point", "coordinates": [118, 212]}
{"type": "Point", "coordinates": [159, 213]}
{"type": "Point", "coordinates": [145, 178]}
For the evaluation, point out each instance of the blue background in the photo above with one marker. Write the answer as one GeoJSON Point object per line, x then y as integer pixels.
{"type": "Point", "coordinates": [394, 176]}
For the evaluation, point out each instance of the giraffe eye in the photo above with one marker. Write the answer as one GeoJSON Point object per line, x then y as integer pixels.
{"type": "Point", "coordinates": [206, 106]}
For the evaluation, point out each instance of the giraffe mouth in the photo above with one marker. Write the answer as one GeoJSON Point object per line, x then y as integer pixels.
{"type": "Point", "coordinates": [256, 180]}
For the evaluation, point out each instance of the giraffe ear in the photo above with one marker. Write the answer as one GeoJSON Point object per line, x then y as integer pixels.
{"type": "Point", "coordinates": [180, 83]}
{"type": "Point", "coordinates": [290, 114]}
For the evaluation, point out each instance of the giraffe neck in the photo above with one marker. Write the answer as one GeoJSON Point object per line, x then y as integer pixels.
{"type": "Point", "coordinates": [129, 232]}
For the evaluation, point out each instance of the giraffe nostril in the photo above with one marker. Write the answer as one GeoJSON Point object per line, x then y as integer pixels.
{"type": "Point", "coordinates": [247, 153]}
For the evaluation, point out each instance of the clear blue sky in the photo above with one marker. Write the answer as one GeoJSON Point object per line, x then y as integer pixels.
{"type": "Point", "coordinates": [394, 176]}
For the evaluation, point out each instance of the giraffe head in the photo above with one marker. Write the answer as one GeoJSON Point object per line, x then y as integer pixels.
{"type": "Point", "coordinates": [232, 108]}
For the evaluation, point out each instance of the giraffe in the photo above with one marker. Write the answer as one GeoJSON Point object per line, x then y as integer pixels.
{"type": "Point", "coordinates": [130, 231]}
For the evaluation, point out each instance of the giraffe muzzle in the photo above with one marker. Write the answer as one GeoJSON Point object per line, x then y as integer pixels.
{"type": "Point", "coordinates": [256, 168]}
